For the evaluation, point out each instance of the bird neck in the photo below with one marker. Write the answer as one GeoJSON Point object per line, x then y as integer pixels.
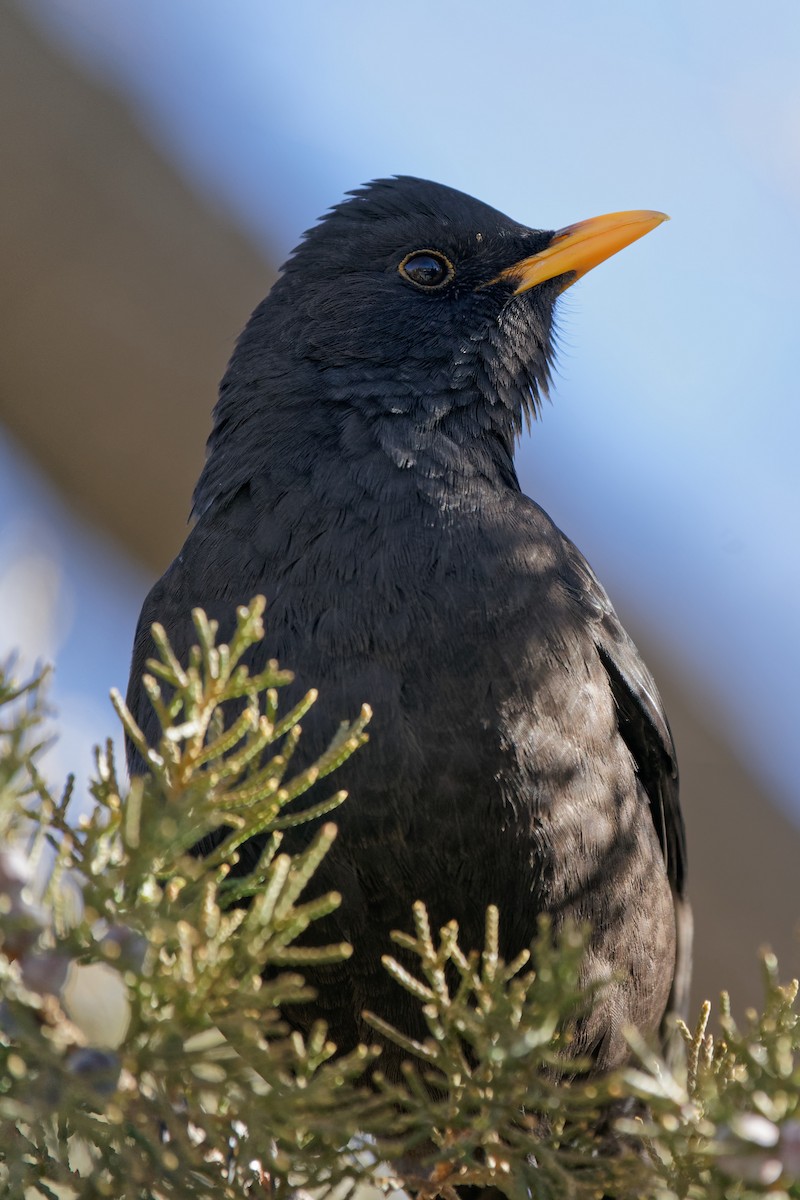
{"type": "Point", "coordinates": [403, 453]}
{"type": "Point", "coordinates": [430, 437]}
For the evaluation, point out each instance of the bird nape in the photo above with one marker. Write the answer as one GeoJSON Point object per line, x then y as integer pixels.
{"type": "Point", "coordinates": [360, 474]}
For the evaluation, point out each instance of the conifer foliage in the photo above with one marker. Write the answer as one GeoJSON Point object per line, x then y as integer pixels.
{"type": "Point", "coordinates": [198, 1087]}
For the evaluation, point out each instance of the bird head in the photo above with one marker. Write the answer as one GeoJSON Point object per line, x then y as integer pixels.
{"type": "Point", "coordinates": [414, 306]}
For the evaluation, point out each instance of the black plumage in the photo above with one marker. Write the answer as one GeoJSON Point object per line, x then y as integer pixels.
{"type": "Point", "coordinates": [360, 474]}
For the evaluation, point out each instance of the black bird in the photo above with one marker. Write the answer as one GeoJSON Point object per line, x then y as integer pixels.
{"type": "Point", "coordinates": [360, 474]}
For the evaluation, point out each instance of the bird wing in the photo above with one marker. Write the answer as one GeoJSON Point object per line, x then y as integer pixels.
{"type": "Point", "coordinates": [642, 721]}
{"type": "Point", "coordinates": [645, 730]}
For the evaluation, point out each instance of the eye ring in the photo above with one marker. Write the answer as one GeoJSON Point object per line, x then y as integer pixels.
{"type": "Point", "coordinates": [428, 270]}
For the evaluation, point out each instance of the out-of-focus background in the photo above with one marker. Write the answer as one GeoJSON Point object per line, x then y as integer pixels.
{"type": "Point", "coordinates": [160, 160]}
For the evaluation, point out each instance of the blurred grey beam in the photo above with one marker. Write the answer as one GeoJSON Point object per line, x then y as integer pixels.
{"type": "Point", "coordinates": [121, 293]}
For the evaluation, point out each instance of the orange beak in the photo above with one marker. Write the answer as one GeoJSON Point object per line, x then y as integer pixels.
{"type": "Point", "coordinates": [576, 249]}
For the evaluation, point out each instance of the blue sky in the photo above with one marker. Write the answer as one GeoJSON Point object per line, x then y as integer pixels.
{"type": "Point", "coordinates": [670, 451]}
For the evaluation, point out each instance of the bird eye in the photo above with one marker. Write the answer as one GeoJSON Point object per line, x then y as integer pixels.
{"type": "Point", "coordinates": [427, 269]}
